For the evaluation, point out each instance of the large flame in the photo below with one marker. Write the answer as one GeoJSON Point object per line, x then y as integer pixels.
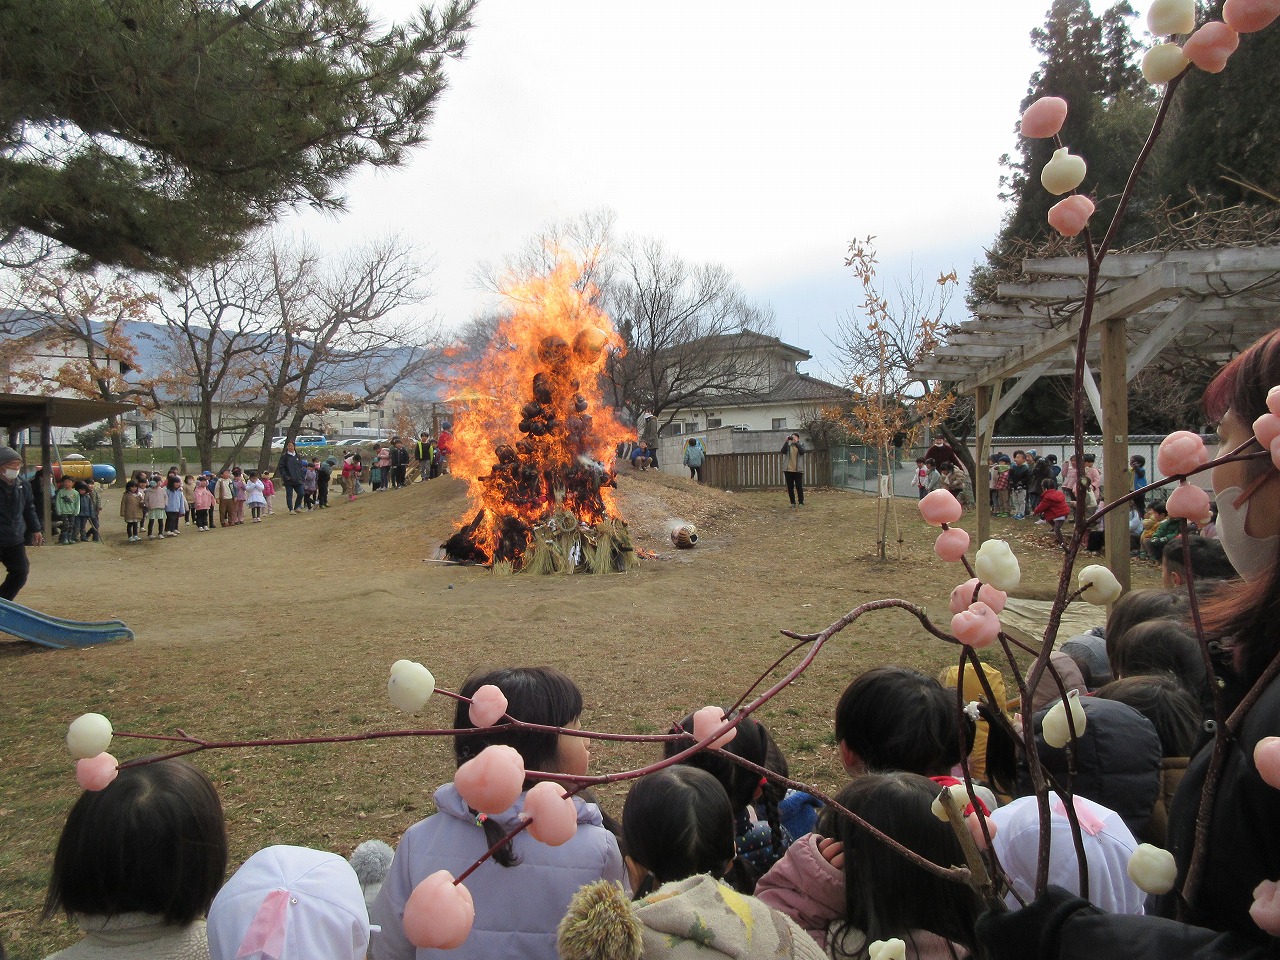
{"type": "Point", "coordinates": [533, 433]}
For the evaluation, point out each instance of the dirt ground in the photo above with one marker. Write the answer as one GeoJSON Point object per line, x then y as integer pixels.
{"type": "Point", "coordinates": [288, 628]}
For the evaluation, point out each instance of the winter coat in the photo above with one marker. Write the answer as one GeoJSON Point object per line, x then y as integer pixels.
{"type": "Point", "coordinates": [291, 469]}
{"type": "Point", "coordinates": [66, 502]}
{"type": "Point", "coordinates": [175, 502]}
{"type": "Point", "coordinates": [1052, 505]}
{"type": "Point", "coordinates": [791, 454]}
{"type": "Point", "coordinates": [204, 498]}
{"type": "Point", "coordinates": [255, 493]}
{"type": "Point", "coordinates": [694, 456]}
{"type": "Point", "coordinates": [137, 936]}
{"type": "Point", "coordinates": [516, 908]}
{"type": "Point", "coordinates": [131, 508]}
{"type": "Point", "coordinates": [155, 498]}
{"type": "Point", "coordinates": [224, 489]}
{"type": "Point", "coordinates": [18, 516]}
{"type": "Point", "coordinates": [806, 887]}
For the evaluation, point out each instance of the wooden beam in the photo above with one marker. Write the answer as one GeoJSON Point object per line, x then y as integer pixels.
{"type": "Point", "coordinates": [1174, 322]}
{"type": "Point", "coordinates": [1118, 265]}
{"type": "Point", "coordinates": [1011, 396]}
{"type": "Point", "coordinates": [1091, 391]}
{"type": "Point", "coordinates": [1116, 480]}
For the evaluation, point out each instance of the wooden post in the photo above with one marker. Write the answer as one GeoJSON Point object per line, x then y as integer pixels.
{"type": "Point", "coordinates": [985, 398]}
{"type": "Point", "coordinates": [43, 496]}
{"type": "Point", "coordinates": [1115, 444]}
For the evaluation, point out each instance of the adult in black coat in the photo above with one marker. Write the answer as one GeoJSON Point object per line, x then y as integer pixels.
{"type": "Point", "coordinates": [291, 471]}
{"type": "Point", "coordinates": [399, 462]}
{"type": "Point", "coordinates": [19, 522]}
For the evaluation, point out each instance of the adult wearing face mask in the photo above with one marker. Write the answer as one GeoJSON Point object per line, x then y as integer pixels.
{"type": "Point", "coordinates": [1243, 837]}
{"type": "Point", "coordinates": [19, 522]}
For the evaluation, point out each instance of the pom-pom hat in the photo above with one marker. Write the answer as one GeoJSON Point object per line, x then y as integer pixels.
{"type": "Point", "coordinates": [290, 903]}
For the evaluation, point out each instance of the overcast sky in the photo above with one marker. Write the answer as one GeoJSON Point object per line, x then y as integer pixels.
{"type": "Point", "coordinates": [763, 136]}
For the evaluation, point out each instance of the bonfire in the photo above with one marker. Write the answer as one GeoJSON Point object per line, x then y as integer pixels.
{"type": "Point", "coordinates": [536, 439]}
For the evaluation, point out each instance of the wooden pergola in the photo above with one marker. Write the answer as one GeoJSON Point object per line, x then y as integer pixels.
{"type": "Point", "coordinates": [1209, 303]}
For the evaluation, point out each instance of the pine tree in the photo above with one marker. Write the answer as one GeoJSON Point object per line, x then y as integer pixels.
{"type": "Point", "coordinates": [155, 134]}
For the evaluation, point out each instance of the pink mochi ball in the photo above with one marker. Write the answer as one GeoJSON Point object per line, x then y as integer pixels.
{"type": "Point", "coordinates": [975, 830]}
{"type": "Point", "coordinates": [951, 544]}
{"type": "Point", "coordinates": [488, 704]}
{"type": "Point", "coordinates": [553, 818]}
{"type": "Point", "coordinates": [1275, 452]}
{"type": "Point", "coordinates": [96, 773]}
{"type": "Point", "coordinates": [962, 596]}
{"type": "Point", "coordinates": [1044, 118]}
{"type": "Point", "coordinates": [1265, 909]}
{"type": "Point", "coordinates": [1180, 453]}
{"type": "Point", "coordinates": [1211, 46]}
{"type": "Point", "coordinates": [1188, 502]}
{"type": "Point", "coordinates": [1071, 214]}
{"type": "Point", "coordinates": [1266, 757]}
{"type": "Point", "coordinates": [976, 627]}
{"type": "Point", "coordinates": [940, 507]}
{"type": "Point", "coordinates": [492, 781]}
{"type": "Point", "coordinates": [1266, 428]}
{"type": "Point", "coordinates": [706, 721]}
{"type": "Point", "coordinates": [1273, 400]}
{"type": "Point", "coordinates": [439, 913]}
{"type": "Point", "coordinates": [1250, 16]}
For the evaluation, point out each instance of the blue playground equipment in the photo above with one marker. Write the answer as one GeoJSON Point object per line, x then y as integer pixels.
{"type": "Point", "coordinates": [27, 624]}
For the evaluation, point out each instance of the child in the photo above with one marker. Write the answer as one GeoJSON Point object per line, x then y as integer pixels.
{"type": "Point", "coordinates": [87, 521]}
{"type": "Point", "coordinates": [521, 896]}
{"type": "Point", "coordinates": [759, 845]}
{"type": "Point", "coordinates": [255, 496]}
{"type": "Point", "coordinates": [132, 511]}
{"type": "Point", "coordinates": [857, 889]}
{"type": "Point", "coordinates": [351, 468]}
{"type": "Point", "coordinates": [1138, 467]}
{"type": "Point", "coordinates": [202, 503]}
{"type": "Point", "coordinates": [66, 504]}
{"type": "Point", "coordinates": [324, 912]}
{"type": "Point", "coordinates": [1019, 480]}
{"type": "Point", "coordinates": [310, 484]}
{"type": "Point", "coordinates": [1002, 486]}
{"type": "Point", "coordinates": [269, 491]}
{"type": "Point", "coordinates": [189, 494]}
{"type": "Point", "coordinates": [175, 505]}
{"type": "Point", "coordinates": [225, 494]}
{"type": "Point", "coordinates": [139, 862]}
{"type": "Point", "coordinates": [1052, 508]}
{"type": "Point", "coordinates": [679, 834]}
{"type": "Point", "coordinates": [155, 499]}
{"type": "Point", "coordinates": [922, 478]}
{"type": "Point", "coordinates": [239, 495]}
{"type": "Point", "coordinates": [933, 479]}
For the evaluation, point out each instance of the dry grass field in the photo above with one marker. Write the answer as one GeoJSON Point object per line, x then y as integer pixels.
{"type": "Point", "coordinates": [288, 629]}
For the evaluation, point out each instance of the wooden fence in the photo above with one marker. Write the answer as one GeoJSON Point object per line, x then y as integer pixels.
{"type": "Point", "coordinates": [756, 471]}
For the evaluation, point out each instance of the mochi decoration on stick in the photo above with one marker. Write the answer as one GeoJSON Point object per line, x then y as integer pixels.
{"type": "Point", "coordinates": [1273, 400]}
{"type": "Point", "coordinates": [1210, 47]}
{"type": "Point", "coordinates": [1266, 428]}
{"type": "Point", "coordinates": [1181, 452]}
{"type": "Point", "coordinates": [1266, 757]}
{"type": "Point", "coordinates": [89, 735]}
{"type": "Point", "coordinates": [995, 564]}
{"type": "Point", "coordinates": [439, 913]}
{"type": "Point", "coordinates": [96, 773]}
{"type": "Point", "coordinates": [962, 596]}
{"type": "Point", "coordinates": [1265, 909]}
{"type": "Point", "coordinates": [1063, 173]}
{"type": "Point", "coordinates": [1070, 215]}
{"type": "Point", "coordinates": [491, 782]}
{"type": "Point", "coordinates": [976, 627]}
{"type": "Point", "coordinates": [939, 507]}
{"type": "Point", "coordinates": [410, 686]}
{"type": "Point", "coordinates": [488, 705]}
{"type": "Point", "coordinates": [891, 949]}
{"type": "Point", "coordinates": [1166, 18]}
{"type": "Point", "coordinates": [1188, 502]}
{"type": "Point", "coordinates": [1152, 869]}
{"type": "Point", "coordinates": [706, 721]}
{"type": "Point", "coordinates": [1163, 62]}
{"type": "Point", "coordinates": [552, 816]}
{"type": "Point", "coordinates": [951, 544]}
{"type": "Point", "coordinates": [1044, 118]}
{"type": "Point", "coordinates": [959, 796]}
{"type": "Point", "coordinates": [1099, 585]}
{"type": "Point", "coordinates": [1054, 728]}
{"type": "Point", "coordinates": [1250, 16]}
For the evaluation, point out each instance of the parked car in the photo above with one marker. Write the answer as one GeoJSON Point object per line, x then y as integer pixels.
{"type": "Point", "coordinates": [302, 440]}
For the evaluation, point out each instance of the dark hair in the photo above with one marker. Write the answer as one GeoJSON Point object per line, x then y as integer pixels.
{"type": "Point", "coordinates": [540, 695]}
{"type": "Point", "coordinates": [1160, 646]}
{"type": "Point", "coordinates": [131, 485]}
{"type": "Point", "coordinates": [1139, 459]}
{"type": "Point", "coordinates": [1047, 484]}
{"type": "Point", "coordinates": [153, 841]}
{"type": "Point", "coordinates": [1208, 558]}
{"type": "Point", "coordinates": [677, 823]}
{"type": "Point", "coordinates": [1163, 700]}
{"type": "Point", "coordinates": [752, 743]}
{"type": "Point", "coordinates": [1159, 507]}
{"type": "Point", "coordinates": [885, 894]}
{"type": "Point", "coordinates": [1139, 606]}
{"type": "Point", "coordinates": [899, 719]}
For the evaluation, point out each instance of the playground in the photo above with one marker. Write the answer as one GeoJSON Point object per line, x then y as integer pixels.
{"type": "Point", "coordinates": [288, 629]}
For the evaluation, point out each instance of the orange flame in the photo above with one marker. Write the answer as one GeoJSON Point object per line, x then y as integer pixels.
{"type": "Point", "coordinates": [533, 433]}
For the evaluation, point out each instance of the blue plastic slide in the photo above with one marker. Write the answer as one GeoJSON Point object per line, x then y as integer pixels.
{"type": "Point", "coordinates": [27, 624]}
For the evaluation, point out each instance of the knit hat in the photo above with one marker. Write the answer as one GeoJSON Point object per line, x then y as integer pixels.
{"type": "Point", "coordinates": [371, 861]}
{"type": "Point", "coordinates": [698, 918]}
{"type": "Point", "coordinates": [290, 903]}
{"type": "Point", "coordinates": [8, 455]}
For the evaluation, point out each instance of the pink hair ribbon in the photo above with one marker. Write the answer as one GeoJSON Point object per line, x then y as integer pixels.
{"type": "Point", "coordinates": [265, 935]}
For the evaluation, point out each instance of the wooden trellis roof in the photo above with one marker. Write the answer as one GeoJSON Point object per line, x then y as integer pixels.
{"type": "Point", "coordinates": [1208, 303]}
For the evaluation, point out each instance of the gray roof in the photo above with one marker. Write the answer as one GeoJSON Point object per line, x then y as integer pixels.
{"type": "Point", "coordinates": [792, 388]}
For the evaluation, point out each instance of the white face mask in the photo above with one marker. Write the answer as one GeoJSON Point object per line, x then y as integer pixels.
{"type": "Point", "coordinates": [1251, 556]}
{"type": "Point", "coordinates": [11, 475]}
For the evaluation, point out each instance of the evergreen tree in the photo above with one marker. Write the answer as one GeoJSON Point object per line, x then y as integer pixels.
{"type": "Point", "coordinates": [1227, 125]}
{"type": "Point", "coordinates": [155, 134]}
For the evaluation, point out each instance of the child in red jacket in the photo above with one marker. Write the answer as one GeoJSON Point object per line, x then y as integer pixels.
{"type": "Point", "coordinates": [1052, 508]}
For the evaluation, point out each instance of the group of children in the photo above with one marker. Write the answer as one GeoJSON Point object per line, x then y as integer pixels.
{"type": "Point", "coordinates": [167, 503]}
{"type": "Point", "coordinates": [710, 854]}
{"type": "Point", "coordinates": [76, 506]}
